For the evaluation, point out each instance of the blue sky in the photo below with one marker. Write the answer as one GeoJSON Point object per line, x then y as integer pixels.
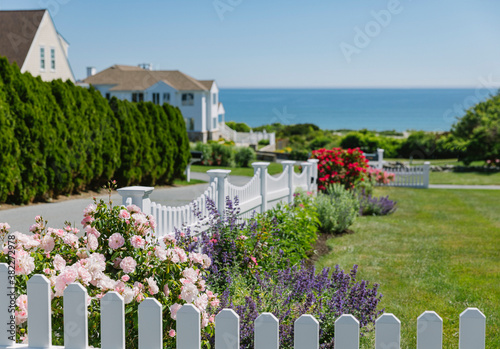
{"type": "Point", "coordinates": [288, 43]}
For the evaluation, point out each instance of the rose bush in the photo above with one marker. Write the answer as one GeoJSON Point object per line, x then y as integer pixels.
{"type": "Point", "coordinates": [345, 166]}
{"type": "Point", "coordinates": [115, 252]}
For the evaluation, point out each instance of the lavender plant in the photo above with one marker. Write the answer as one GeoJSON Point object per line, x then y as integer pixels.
{"type": "Point", "coordinates": [375, 206]}
{"type": "Point", "coordinates": [251, 275]}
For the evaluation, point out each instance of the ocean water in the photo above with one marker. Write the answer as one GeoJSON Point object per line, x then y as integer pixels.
{"type": "Point", "coordinates": [334, 109]}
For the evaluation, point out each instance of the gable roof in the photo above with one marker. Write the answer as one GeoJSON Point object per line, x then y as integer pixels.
{"type": "Point", "coordinates": [18, 29]}
{"type": "Point", "coordinates": [207, 83]}
{"type": "Point", "coordinates": [131, 78]}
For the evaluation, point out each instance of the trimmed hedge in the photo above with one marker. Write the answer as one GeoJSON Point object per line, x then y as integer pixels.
{"type": "Point", "coordinates": [58, 138]}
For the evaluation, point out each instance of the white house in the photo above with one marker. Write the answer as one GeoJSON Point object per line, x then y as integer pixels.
{"type": "Point", "coordinates": [198, 100]}
{"type": "Point", "coordinates": [30, 39]}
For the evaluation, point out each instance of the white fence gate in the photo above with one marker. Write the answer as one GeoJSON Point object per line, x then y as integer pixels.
{"type": "Point", "coordinates": [262, 191]}
{"type": "Point", "coordinates": [113, 336]}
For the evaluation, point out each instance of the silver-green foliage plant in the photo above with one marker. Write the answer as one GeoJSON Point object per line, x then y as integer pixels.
{"type": "Point", "coordinates": [337, 209]}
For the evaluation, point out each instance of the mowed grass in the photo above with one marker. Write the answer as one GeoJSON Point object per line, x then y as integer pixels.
{"type": "Point", "coordinates": [465, 178]}
{"type": "Point", "coordinates": [439, 251]}
{"type": "Point", "coordinates": [274, 168]}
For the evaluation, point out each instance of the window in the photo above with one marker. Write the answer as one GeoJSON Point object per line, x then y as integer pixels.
{"type": "Point", "coordinates": [156, 98]}
{"type": "Point", "coordinates": [137, 97]}
{"type": "Point", "coordinates": [52, 59]}
{"type": "Point", "coordinates": [42, 58]}
{"type": "Point", "coordinates": [214, 123]}
{"type": "Point", "coordinates": [166, 98]}
{"type": "Point", "coordinates": [214, 98]}
{"type": "Point", "coordinates": [187, 99]}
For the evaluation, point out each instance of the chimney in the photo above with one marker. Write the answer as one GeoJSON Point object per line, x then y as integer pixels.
{"type": "Point", "coordinates": [146, 66]}
{"type": "Point", "coordinates": [90, 71]}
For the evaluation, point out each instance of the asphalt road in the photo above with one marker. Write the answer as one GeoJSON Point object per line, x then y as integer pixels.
{"type": "Point", "coordinates": [21, 218]}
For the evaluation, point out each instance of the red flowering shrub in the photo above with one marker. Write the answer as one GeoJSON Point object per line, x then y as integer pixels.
{"type": "Point", "coordinates": [337, 165]}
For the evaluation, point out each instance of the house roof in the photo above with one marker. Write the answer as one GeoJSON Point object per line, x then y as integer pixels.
{"type": "Point", "coordinates": [18, 29]}
{"type": "Point", "coordinates": [207, 83]}
{"type": "Point", "coordinates": [132, 78]}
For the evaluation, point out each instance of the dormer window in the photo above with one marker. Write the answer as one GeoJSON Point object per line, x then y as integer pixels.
{"type": "Point", "coordinates": [187, 99]}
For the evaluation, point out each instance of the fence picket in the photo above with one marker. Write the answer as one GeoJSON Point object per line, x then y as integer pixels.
{"type": "Point", "coordinates": [150, 324]}
{"type": "Point", "coordinates": [75, 317]}
{"type": "Point", "coordinates": [188, 327]}
{"type": "Point", "coordinates": [227, 330]}
{"type": "Point", "coordinates": [387, 332]}
{"type": "Point", "coordinates": [7, 324]}
{"type": "Point", "coordinates": [306, 333]}
{"type": "Point", "coordinates": [39, 321]}
{"type": "Point", "coordinates": [472, 329]}
{"type": "Point", "coordinates": [266, 331]}
{"type": "Point", "coordinates": [346, 332]}
{"type": "Point", "coordinates": [112, 321]}
{"type": "Point", "coordinates": [429, 331]}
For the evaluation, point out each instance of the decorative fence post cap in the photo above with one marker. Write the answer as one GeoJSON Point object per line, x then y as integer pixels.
{"type": "Point", "coordinates": [260, 164]}
{"type": "Point", "coordinates": [306, 163]}
{"type": "Point", "coordinates": [218, 173]}
{"type": "Point", "coordinates": [288, 162]}
{"type": "Point", "coordinates": [135, 191]}
{"type": "Point", "coordinates": [313, 161]}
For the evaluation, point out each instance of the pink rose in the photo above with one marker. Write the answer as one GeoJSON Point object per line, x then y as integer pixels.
{"type": "Point", "coordinates": [124, 214]}
{"type": "Point", "coordinates": [128, 265]}
{"type": "Point", "coordinates": [137, 241]}
{"type": "Point", "coordinates": [171, 333]}
{"type": "Point", "coordinates": [125, 278]}
{"type": "Point", "coordinates": [116, 241]}
{"type": "Point", "coordinates": [174, 309]}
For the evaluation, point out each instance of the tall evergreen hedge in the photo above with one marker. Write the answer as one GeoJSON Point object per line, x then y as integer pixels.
{"type": "Point", "coordinates": [57, 138]}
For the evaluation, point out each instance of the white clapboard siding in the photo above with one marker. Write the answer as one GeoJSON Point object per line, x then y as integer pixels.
{"type": "Point", "coordinates": [227, 324]}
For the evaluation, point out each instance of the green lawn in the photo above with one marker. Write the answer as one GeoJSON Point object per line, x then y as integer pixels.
{"type": "Point", "coordinates": [472, 178]}
{"type": "Point", "coordinates": [439, 251]}
{"type": "Point", "coordinates": [274, 168]}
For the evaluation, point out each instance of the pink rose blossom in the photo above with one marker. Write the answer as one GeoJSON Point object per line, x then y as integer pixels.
{"type": "Point", "coordinates": [124, 214]}
{"type": "Point", "coordinates": [153, 287]}
{"type": "Point", "coordinates": [128, 265]}
{"type": "Point", "coordinates": [125, 278]}
{"type": "Point", "coordinates": [92, 242]}
{"type": "Point", "coordinates": [166, 290]}
{"type": "Point", "coordinates": [133, 209]}
{"type": "Point", "coordinates": [174, 309]}
{"type": "Point", "coordinates": [171, 333]}
{"type": "Point", "coordinates": [47, 243]}
{"type": "Point", "coordinates": [89, 209]}
{"type": "Point", "coordinates": [92, 231]}
{"type": "Point", "coordinates": [137, 241]}
{"type": "Point", "coordinates": [59, 262]}
{"type": "Point", "coordinates": [189, 292]}
{"type": "Point", "coordinates": [116, 241]}
{"type": "Point", "coordinates": [22, 302]}
{"type": "Point", "coordinates": [4, 226]}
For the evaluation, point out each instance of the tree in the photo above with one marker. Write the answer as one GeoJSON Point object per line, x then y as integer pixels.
{"type": "Point", "coordinates": [477, 133]}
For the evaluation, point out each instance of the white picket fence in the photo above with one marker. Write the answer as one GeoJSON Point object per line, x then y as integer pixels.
{"type": "Point", "coordinates": [410, 177]}
{"type": "Point", "coordinates": [246, 138]}
{"type": "Point", "coordinates": [472, 330]}
{"type": "Point", "coordinates": [262, 191]}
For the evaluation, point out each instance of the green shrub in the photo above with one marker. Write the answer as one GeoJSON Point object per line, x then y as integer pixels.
{"type": "Point", "coordinates": [244, 156]}
{"type": "Point", "coordinates": [337, 209]}
{"type": "Point", "coordinates": [264, 142]}
{"type": "Point", "coordinates": [299, 155]}
{"type": "Point", "coordinates": [238, 126]}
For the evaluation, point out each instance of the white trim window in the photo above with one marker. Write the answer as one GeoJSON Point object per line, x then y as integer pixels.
{"type": "Point", "coordinates": [52, 59]}
{"type": "Point", "coordinates": [166, 97]}
{"type": "Point", "coordinates": [156, 98]}
{"type": "Point", "coordinates": [42, 58]}
{"type": "Point", "coordinates": [188, 99]}
{"type": "Point", "coordinates": [214, 98]}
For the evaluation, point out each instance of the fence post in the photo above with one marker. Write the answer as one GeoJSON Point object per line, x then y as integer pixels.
{"type": "Point", "coordinates": [188, 327]}
{"type": "Point", "coordinates": [75, 317]}
{"type": "Point", "coordinates": [429, 331]}
{"type": "Point", "coordinates": [263, 182]}
{"type": "Point", "coordinates": [307, 166]}
{"type": "Point", "coordinates": [346, 332]}
{"type": "Point", "coordinates": [427, 169]}
{"type": "Point", "coordinates": [314, 175]}
{"type": "Point", "coordinates": [387, 332]}
{"type": "Point", "coordinates": [221, 176]}
{"type": "Point", "coordinates": [39, 308]}
{"type": "Point", "coordinates": [139, 196]}
{"type": "Point", "coordinates": [306, 334]}
{"type": "Point", "coordinates": [227, 330]}
{"type": "Point", "coordinates": [380, 153]}
{"type": "Point", "coordinates": [289, 164]}
{"type": "Point", "coordinates": [472, 329]}
{"type": "Point", "coordinates": [266, 333]}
